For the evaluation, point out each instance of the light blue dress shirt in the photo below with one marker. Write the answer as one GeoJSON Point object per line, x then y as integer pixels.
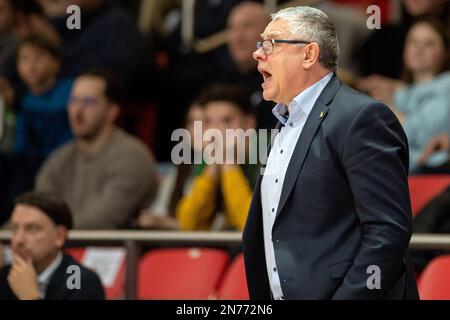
{"type": "Point", "coordinates": [277, 163]}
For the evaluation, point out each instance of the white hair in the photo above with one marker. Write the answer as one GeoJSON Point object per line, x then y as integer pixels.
{"type": "Point", "coordinates": [311, 24]}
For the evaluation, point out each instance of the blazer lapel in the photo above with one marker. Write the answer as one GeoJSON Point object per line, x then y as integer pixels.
{"type": "Point", "coordinates": [315, 118]}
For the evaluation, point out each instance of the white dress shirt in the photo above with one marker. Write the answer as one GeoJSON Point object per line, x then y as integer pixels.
{"type": "Point", "coordinates": [277, 163]}
{"type": "Point", "coordinates": [45, 276]}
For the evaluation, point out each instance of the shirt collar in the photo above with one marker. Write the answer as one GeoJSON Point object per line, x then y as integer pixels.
{"type": "Point", "coordinates": [302, 104]}
{"type": "Point", "coordinates": [44, 276]}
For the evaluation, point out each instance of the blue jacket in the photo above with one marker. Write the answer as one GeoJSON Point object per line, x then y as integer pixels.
{"type": "Point", "coordinates": [42, 122]}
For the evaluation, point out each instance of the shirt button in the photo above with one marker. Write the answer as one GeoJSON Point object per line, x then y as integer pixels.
{"type": "Point", "coordinates": [274, 269]}
{"type": "Point", "coordinates": [276, 180]}
{"type": "Point", "coordinates": [281, 151]}
{"type": "Point", "coordinates": [273, 209]}
{"type": "Point", "coordinates": [291, 124]}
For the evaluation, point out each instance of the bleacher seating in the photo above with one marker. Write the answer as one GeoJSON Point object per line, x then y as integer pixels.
{"type": "Point", "coordinates": [109, 263]}
{"type": "Point", "coordinates": [423, 188]}
{"type": "Point", "coordinates": [180, 273]}
{"type": "Point", "coordinates": [434, 283]}
{"type": "Point", "coordinates": [234, 283]}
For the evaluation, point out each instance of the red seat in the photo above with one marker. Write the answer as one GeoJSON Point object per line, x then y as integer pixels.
{"type": "Point", "coordinates": [434, 283]}
{"type": "Point", "coordinates": [180, 273]}
{"type": "Point", "coordinates": [234, 283]}
{"type": "Point", "coordinates": [76, 253]}
{"type": "Point", "coordinates": [423, 188]}
{"type": "Point", "coordinates": [112, 292]}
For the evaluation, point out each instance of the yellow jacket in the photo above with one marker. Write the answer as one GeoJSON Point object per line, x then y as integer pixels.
{"type": "Point", "coordinates": [196, 210]}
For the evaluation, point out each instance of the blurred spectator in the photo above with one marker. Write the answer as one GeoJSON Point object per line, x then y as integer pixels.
{"type": "Point", "coordinates": [423, 107]}
{"type": "Point", "coordinates": [382, 69]}
{"type": "Point", "coordinates": [18, 19]}
{"type": "Point", "coordinates": [41, 120]}
{"type": "Point", "coordinates": [42, 123]}
{"type": "Point", "coordinates": [40, 223]}
{"type": "Point", "coordinates": [245, 24]}
{"type": "Point", "coordinates": [221, 187]}
{"type": "Point", "coordinates": [105, 175]}
{"type": "Point", "coordinates": [176, 181]}
{"type": "Point", "coordinates": [188, 69]}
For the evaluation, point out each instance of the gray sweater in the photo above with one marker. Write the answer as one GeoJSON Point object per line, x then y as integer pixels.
{"type": "Point", "coordinates": [105, 190]}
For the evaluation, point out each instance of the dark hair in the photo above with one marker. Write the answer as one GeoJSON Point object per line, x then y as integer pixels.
{"type": "Point", "coordinates": [54, 207]}
{"type": "Point", "coordinates": [114, 89]}
{"type": "Point", "coordinates": [228, 93]}
{"type": "Point", "coordinates": [26, 7]}
{"type": "Point", "coordinates": [40, 42]}
{"type": "Point", "coordinates": [443, 33]}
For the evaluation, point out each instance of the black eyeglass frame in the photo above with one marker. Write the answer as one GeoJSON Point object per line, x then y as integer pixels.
{"type": "Point", "coordinates": [260, 44]}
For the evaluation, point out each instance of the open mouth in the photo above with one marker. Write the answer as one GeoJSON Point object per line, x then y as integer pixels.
{"type": "Point", "coordinates": [266, 75]}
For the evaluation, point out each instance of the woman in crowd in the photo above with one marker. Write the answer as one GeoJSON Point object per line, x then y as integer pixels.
{"type": "Point", "coordinates": [423, 104]}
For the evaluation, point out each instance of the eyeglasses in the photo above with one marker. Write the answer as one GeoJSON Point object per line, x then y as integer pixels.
{"type": "Point", "coordinates": [83, 101]}
{"type": "Point", "coordinates": [267, 45]}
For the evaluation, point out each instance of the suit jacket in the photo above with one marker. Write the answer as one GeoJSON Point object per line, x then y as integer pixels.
{"type": "Point", "coordinates": [57, 289]}
{"type": "Point", "coordinates": [344, 206]}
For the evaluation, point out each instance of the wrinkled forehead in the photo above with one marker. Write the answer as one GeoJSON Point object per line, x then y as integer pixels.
{"type": "Point", "coordinates": [218, 110]}
{"type": "Point", "coordinates": [277, 29]}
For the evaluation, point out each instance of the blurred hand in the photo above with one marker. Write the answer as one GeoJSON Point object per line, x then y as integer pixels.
{"type": "Point", "coordinates": [148, 220]}
{"type": "Point", "coordinates": [440, 142]}
{"type": "Point", "coordinates": [22, 279]}
{"type": "Point", "coordinates": [380, 87]}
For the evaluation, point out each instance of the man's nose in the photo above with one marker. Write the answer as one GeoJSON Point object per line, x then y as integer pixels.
{"type": "Point", "coordinates": [259, 55]}
{"type": "Point", "coordinates": [18, 237]}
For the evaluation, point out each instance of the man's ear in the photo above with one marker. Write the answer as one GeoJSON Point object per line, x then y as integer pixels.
{"type": "Point", "coordinates": [61, 236]}
{"type": "Point", "coordinates": [311, 55]}
{"type": "Point", "coordinates": [113, 112]}
{"type": "Point", "coordinates": [58, 65]}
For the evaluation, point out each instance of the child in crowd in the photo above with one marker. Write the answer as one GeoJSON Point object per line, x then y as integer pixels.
{"type": "Point", "coordinates": [42, 123]}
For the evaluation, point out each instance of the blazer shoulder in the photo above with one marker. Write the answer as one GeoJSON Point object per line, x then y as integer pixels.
{"type": "Point", "coordinates": [349, 103]}
{"type": "Point", "coordinates": [88, 276]}
{"type": "Point", "coordinates": [353, 99]}
{"type": "Point", "coordinates": [90, 284]}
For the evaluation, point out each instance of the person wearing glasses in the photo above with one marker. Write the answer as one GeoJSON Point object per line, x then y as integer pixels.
{"type": "Point", "coordinates": [330, 216]}
{"type": "Point", "coordinates": [105, 175]}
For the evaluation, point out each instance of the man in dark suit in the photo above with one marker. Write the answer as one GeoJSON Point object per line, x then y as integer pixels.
{"type": "Point", "coordinates": [40, 269]}
{"type": "Point", "coordinates": [330, 216]}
